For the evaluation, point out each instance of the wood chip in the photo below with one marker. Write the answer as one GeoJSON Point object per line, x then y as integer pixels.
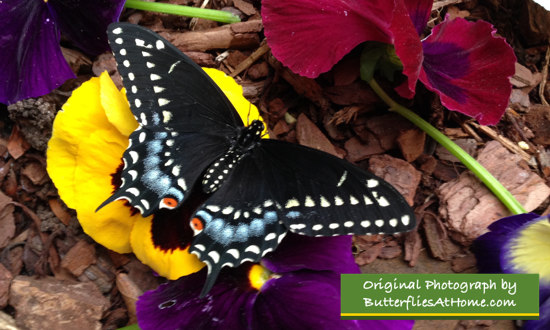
{"type": "Point", "coordinates": [7, 221]}
{"type": "Point", "coordinates": [400, 174]}
{"type": "Point", "coordinates": [302, 85]}
{"type": "Point", "coordinates": [5, 282]}
{"type": "Point", "coordinates": [357, 150]}
{"type": "Point", "coordinates": [470, 207]}
{"type": "Point", "coordinates": [523, 77]}
{"type": "Point", "coordinates": [369, 255]}
{"type": "Point", "coordinates": [79, 257]}
{"type": "Point", "coordinates": [246, 7]}
{"type": "Point", "coordinates": [411, 143]}
{"type": "Point", "coordinates": [47, 303]}
{"type": "Point", "coordinates": [264, 48]}
{"type": "Point", "coordinates": [436, 235]}
{"type": "Point", "coordinates": [17, 145]}
{"type": "Point", "coordinates": [412, 247]}
{"type": "Point", "coordinates": [60, 211]}
{"type": "Point", "coordinates": [243, 35]}
{"type": "Point", "coordinates": [308, 134]}
{"type": "Point", "coordinates": [468, 145]}
{"type": "Point", "coordinates": [463, 263]}
{"type": "Point", "coordinates": [503, 140]}
{"type": "Point", "coordinates": [538, 120]}
{"type": "Point", "coordinates": [36, 172]}
{"type": "Point", "coordinates": [390, 252]}
{"type": "Point", "coordinates": [130, 293]}
{"type": "Point", "coordinates": [7, 322]}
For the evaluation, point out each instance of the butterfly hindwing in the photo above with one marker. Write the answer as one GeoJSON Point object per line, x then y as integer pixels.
{"type": "Point", "coordinates": [279, 187]}
{"type": "Point", "coordinates": [239, 222]}
{"type": "Point", "coordinates": [158, 172]}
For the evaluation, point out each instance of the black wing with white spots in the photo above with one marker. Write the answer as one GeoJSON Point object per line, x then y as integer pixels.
{"type": "Point", "coordinates": [278, 187]}
{"type": "Point", "coordinates": [247, 192]}
{"type": "Point", "coordinates": [167, 89]}
{"type": "Point", "coordinates": [180, 112]}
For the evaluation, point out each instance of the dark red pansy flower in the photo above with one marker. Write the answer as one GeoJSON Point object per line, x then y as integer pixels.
{"type": "Point", "coordinates": [463, 62]}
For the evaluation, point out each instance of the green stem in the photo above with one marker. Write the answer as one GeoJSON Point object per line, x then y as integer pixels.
{"type": "Point", "coordinates": [493, 184]}
{"type": "Point", "coordinates": [211, 14]}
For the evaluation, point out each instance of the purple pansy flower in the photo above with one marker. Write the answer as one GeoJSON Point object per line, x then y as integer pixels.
{"type": "Point", "coordinates": [519, 244]}
{"type": "Point", "coordinates": [296, 287]}
{"type": "Point", "coordinates": [463, 62]}
{"type": "Point", "coordinates": [31, 62]}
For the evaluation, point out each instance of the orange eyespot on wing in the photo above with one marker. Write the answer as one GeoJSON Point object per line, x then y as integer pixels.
{"type": "Point", "coordinates": [168, 202]}
{"type": "Point", "coordinates": [197, 225]}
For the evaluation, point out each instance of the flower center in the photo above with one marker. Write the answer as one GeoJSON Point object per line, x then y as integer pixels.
{"type": "Point", "coordinates": [525, 250]}
{"type": "Point", "coordinates": [258, 275]}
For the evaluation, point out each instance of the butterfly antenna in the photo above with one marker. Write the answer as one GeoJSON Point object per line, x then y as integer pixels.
{"type": "Point", "coordinates": [248, 115]}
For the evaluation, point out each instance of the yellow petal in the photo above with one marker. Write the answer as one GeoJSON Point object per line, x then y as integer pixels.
{"type": "Point", "coordinates": [170, 264]}
{"type": "Point", "coordinates": [89, 137]}
{"type": "Point", "coordinates": [234, 93]}
{"type": "Point", "coordinates": [529, 250]}
{"type": "Point", "coordinates": [85, 149]}
{"type": "Point", "coordinates": [117, 109]}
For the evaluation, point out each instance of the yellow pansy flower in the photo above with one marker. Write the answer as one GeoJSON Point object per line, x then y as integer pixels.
{"type": "Point", "coordinates": [84, 155]}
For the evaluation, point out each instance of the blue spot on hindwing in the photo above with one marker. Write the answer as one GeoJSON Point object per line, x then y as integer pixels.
{"type": "Point", "coordinates": [293, 214]}
{"type": "Point", "coordinates": [154, 147]}
{"type": "Point", "coordinates": [257, 227]}
{"type": "Point", "coordinates": [270, 216]}
{"type": "Point", "coordinates": [161, 135]}
{"type": "Point", "coordinates": [241, 234]}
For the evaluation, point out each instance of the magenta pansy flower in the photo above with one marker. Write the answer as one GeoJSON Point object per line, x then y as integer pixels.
{"type": "Point", "coordinates": [296, 287]}
{"type": "Point", "coordinates": [463, 62]}
{"type": "Point", "coordinates": [31, 61]}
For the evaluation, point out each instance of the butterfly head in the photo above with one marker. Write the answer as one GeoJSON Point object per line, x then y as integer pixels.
{"type": "Point", "coordinates": [250, 135]}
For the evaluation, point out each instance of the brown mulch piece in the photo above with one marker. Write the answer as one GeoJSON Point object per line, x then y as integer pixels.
{"type": "Point", "coordinates": [44, 255]}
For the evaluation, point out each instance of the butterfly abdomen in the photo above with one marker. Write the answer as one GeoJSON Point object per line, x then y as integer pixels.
{"type": "Point", "coordinates": [216, 174]}
{"type": "Point", "coordinates": [218, 171]}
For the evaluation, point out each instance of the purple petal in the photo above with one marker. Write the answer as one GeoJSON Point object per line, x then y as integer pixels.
{"type": "Point", "coordinates": [176, 304]}
{"type": "Point", "coordinates": [85, 22]}
{"type": "Point", "coordinates": [298, 252]}
{"type": "Point", "coordinates": [307, 300]}
{"type": "Point", "coordinates": [419, 12]}
{"type": "Point", "coordinates": [543, 323]}
{"type": "Point", "coordinates": [31, 62]}
{"type": "Point", "coordinates": [310, 36]}
{"type": "Point", "coordinates": [489, 246]}
{"type": "Point", "coordinates": [469, 68]}
{"type": "Point", "coordinates": [407, 47]}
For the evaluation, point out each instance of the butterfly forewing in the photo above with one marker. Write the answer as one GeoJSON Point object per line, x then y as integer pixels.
{"type": "Point", "coordinates": [164, 87]}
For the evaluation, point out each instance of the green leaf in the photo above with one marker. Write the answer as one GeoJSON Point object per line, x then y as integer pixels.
{"type": "Point", "coordinates": [130, 327]}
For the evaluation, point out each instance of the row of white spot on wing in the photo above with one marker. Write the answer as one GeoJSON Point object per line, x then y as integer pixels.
{"type": "Point", "coordinates": [337, 201]}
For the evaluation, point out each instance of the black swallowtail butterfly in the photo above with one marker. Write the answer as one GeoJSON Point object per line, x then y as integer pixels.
{"type": "Point", "coordinates": [191, 142]}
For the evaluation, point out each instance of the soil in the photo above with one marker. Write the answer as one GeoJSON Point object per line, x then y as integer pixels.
{"type": "Point", "coordinates": [41, 241]}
